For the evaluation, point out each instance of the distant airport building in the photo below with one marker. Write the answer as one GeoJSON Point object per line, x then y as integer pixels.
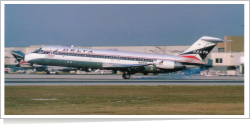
{"type": "Point", "coordinates": [236, 45]}
{"type": "Point", "coordinates": [223, 57]}
{"type": "Point", "coordinates": [229, 60]}
{"type": "Point", "coordinates": [229, 63]}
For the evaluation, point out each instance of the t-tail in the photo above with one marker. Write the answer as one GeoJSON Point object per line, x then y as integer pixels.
{"type": "Point", "coordinates": [201, 48]}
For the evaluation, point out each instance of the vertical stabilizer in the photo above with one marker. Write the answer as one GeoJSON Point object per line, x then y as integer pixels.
{"type": "Point", "coordinates": [201, 48]}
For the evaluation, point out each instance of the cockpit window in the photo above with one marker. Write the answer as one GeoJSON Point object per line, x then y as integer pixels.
{"type": "Point", "coordinates": [37, 51]}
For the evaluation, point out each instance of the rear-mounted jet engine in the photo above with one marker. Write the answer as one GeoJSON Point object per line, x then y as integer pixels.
{"type": "Point", "coordinates": [164, 64]}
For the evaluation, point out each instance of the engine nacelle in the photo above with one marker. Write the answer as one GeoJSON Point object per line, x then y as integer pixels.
{"type": "Point", "coordinates": [164, 64]}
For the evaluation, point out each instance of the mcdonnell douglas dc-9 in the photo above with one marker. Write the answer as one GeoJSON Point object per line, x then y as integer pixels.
{"type": "Point", "coordinates": [127, 62]}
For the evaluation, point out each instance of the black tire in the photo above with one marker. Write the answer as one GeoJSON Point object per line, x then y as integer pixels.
{"type": "Point", "coordinates": [126, 76]}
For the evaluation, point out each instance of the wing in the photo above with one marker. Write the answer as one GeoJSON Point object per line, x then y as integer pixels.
{"type": "Point", "coordinates": [111, 65]}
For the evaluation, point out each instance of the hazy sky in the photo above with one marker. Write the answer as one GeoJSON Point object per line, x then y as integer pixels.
{"type": "Point", "coordinates": [119, 25]}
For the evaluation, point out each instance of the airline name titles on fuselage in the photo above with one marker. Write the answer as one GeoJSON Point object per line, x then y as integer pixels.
{"type": "Point", "coordinates": [74, 50]}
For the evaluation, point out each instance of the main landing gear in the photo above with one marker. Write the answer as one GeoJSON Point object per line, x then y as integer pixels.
{"type": "Point", "coordinates": [132, 70]}
{"type": "Point", "coordinates": [126, 75]}
{"type": "Point", "coordinates": [51, 72]}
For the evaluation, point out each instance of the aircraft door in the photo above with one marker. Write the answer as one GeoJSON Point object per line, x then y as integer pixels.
{"type": "Point", "coordinates": [49, 54]}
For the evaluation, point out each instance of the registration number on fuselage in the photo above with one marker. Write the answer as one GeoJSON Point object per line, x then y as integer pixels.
{"type": "Point", "coordinates": [142, 62]}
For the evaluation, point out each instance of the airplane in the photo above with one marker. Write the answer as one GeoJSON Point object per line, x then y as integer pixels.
{"type": "Point", "coordinates": [19, 56]}
{"type": "Point", "coordinates": [127, 62]}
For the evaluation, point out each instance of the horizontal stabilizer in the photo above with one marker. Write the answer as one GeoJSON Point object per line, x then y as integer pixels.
{"type": "Point", "coordinates": [216, 40]}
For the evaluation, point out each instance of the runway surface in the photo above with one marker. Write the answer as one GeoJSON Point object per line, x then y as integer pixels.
{"type": "Point", "coordinates": [151, 80]}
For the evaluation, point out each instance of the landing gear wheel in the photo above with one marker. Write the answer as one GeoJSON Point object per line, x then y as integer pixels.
{"type": "Point", "coordinates": [48, 72]}
{"type": "Point", "coordinates": [126, 76]}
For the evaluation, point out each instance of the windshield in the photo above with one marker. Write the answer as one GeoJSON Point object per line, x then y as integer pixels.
{"type": "Point", "coordinates": [37, 51]}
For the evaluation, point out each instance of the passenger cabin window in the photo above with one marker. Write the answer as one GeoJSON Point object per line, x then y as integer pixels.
{"type": "Point", "coordinates": [218, 60]}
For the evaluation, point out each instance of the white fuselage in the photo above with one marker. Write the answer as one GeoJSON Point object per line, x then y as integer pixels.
{"type": "Point", "coordinates": [99, 59]}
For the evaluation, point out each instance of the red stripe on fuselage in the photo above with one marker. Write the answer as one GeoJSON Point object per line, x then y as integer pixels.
{"type": "Point", "coordinates": [23, 62]}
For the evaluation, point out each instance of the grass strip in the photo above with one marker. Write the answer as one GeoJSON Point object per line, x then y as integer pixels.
{"type": "Point", "coordinates": [124, 100]}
